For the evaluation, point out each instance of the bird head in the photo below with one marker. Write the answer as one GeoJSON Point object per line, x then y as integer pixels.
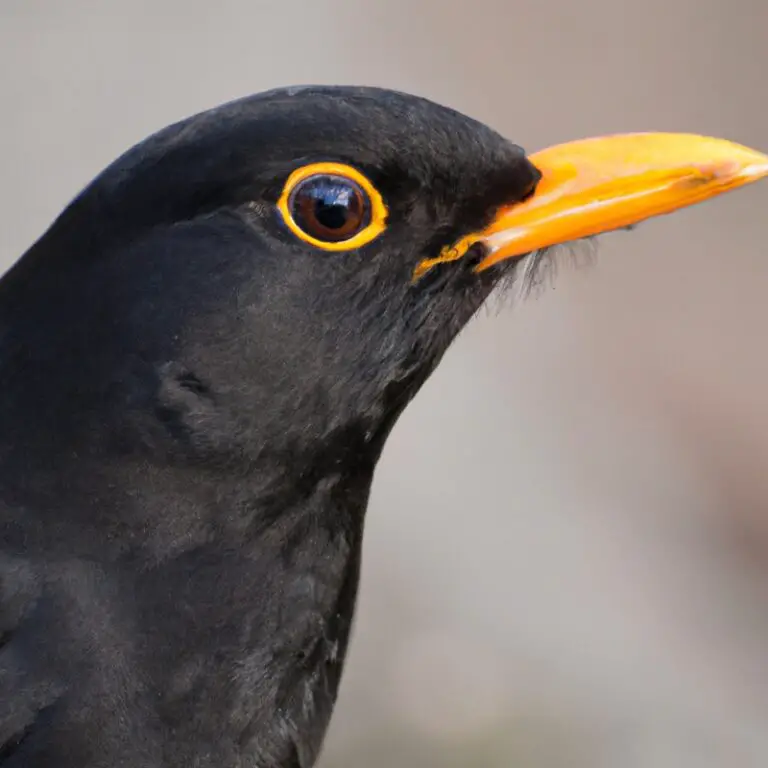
{"type": "Point", "coordinates": [283, 272]}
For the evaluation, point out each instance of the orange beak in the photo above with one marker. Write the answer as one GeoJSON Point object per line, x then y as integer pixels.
{"type": "Point", "coordinates": [606, 183]}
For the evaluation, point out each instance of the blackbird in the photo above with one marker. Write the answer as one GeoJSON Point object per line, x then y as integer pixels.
{"type": "Point", "coordinates": [201, 360]}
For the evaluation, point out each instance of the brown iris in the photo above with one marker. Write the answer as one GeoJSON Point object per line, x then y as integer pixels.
{"type": "Point", "coordinates": [329, 208]}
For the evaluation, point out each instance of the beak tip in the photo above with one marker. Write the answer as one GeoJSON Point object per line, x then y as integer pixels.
{"type": "Point", "coordinates": [758, 169]}
{"type": "Point", "coordinates": [750, 165]}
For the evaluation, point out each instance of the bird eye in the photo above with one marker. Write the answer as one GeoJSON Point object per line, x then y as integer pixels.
{"type": "Point", "coordinates": [329, 208]}
{"type": "Point", "coordinates": [332, 206]}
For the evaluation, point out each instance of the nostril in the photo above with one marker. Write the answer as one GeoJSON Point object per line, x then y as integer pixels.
{"type": "Point", "coordinates": [472, 258]}
{"type": "Point", "coordinates": [533, 182]}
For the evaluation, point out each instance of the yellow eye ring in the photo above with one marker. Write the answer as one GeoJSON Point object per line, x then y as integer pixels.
{"type": "Point", "coordinates": [332, 206]}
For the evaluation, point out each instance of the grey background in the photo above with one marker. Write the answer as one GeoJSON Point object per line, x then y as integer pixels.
{"type": "Point", "coordinates": [567, 548]}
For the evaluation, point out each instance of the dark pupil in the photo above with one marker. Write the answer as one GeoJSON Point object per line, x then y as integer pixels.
{"type": "Point", "coordinates": [332, 214]}
{"type": "Point", "coordinates": [329, 208]}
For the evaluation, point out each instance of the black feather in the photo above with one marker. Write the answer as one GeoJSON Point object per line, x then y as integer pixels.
{"type": "Point", "coordinates": [193, 403]}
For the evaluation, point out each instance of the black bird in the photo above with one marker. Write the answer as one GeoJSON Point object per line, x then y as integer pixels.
{"type": "Point", "coordinates": [201, 361]}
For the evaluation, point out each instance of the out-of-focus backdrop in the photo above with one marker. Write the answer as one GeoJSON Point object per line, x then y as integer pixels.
{"type": "Point", "coordinates": [566, 555]}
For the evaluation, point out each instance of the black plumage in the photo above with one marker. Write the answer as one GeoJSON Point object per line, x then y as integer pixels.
{"type": "Point", "coordinates": [193, 402]}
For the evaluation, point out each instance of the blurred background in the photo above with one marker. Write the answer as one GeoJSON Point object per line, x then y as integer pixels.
{"type": "Point", "coordinates": [566, 555]}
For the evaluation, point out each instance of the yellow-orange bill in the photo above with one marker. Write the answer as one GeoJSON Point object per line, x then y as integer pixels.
{"type": "Point", "coordinates": [601, 184]}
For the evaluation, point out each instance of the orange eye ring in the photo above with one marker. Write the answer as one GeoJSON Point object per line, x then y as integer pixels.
{"type": "Point", "coordinates": [322, 194]}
